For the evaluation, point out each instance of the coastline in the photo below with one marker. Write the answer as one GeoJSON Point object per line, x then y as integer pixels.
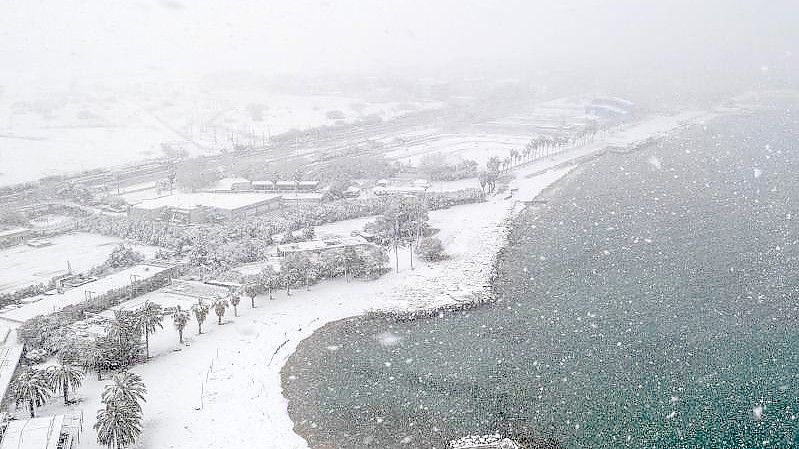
{"type": "Point", "coordinates": [231, 376]}
{"type": "Point", "coordinates": [417, 301]}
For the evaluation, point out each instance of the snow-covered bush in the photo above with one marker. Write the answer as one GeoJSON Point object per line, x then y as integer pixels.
{"type": "Point", "coordinates": [430, 249]}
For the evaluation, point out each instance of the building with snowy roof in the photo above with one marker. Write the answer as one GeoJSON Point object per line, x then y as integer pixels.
{"type": "Point", "coordinates": [320, 246]}
{"type": "Point", "coordinates": [51, 432]}
{"type": "Point", "coordinates": [232, 185]}
{"type": "Point", "coordinates": [188, 208]}
{"type": "Point", "coordinates": [286, 186]}
{"type": "Point", "coordinates": [13, 237]}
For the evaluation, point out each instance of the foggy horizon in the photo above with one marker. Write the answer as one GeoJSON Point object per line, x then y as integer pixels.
{"type": "Point", "coordinates": [54, 43]}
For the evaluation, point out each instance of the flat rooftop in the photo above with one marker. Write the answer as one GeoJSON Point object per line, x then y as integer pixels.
{"type": "Point", "coordinates": [319, 245]}
{"type": "Point", "coordinates": [46, 304]}
{"type": "Point", "coordinates": [14, 231]}
{"type": "Point", "coordinates": [36, 433]}
{"type": "Point", "coordinates": [228, 201]}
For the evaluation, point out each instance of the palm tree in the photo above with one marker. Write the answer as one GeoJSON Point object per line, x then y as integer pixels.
{"type": "Point", "coordinates": [127, 388]}
{"type": "Point", "coordinates": [64, 378]}
{"type": "Point", "coordinates": [235, 299]}
{"type": "Point", "coordinates": [220, 306]}
{"type": "Point", "coordinates": [117, 426]}
{"type": "Point", "coordinates": [149, 318]}
{"type": "Point", "coordinates": [251, 290]}
{"type": "Point", "coordinates": [180, 318]}
{"type": "Point", "coordinates": [200, 313]}
{"type": "Point", "coordinates": [33, 387]}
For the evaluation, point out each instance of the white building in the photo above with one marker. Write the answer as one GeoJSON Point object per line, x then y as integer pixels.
{"type": "Point", "coordinates": [51, 432]}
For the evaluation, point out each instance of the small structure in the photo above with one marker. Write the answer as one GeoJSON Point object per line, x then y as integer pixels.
{"type": "Point", "coordinates": [13, 237]}
{"type": "Point", "coordinates": [232, 185]}
{"type": "Point", "coordinates": [320, 246]}
{"type": "Point", "coordinates": [286, 186]}
{"type": "Point", "coordinates": [51, 432]}
{"type": "Point", "coordinates": [302, 198]}
{"type": "Point", "coordinates": [406, 190]}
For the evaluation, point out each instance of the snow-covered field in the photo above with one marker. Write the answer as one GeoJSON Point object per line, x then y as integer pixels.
{"type": "Point", "coordinates": [68, 134]}
{"type": "Point", "coordinates": [45, 304]}
{"type": "Point", "coordinates": [476, 146]}
{"type": "Point", "coordinates": [23, 265]}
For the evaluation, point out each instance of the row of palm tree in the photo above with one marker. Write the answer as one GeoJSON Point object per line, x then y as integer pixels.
{"type": "Point", "coordinates": [34, 387]}
{"type": "Point", "coordinates": [541, 146]}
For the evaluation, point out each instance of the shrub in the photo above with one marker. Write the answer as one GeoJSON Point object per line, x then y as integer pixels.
{"type": "Point", "coordinates": [430, 249]}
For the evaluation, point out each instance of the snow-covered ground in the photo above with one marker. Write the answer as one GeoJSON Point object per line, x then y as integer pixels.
{"type": "Point", "coordinates": [23, 265]}
{"type": "Point", "coordinates": [45, 304]}
{"type": "Point", "coordinates": [66, 133]}
{"type": "Point", "coordinates": [223, 389]}
{"type": "Point", "coordinates": [475, 146]}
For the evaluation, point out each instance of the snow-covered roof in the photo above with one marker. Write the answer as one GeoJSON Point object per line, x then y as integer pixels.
{"type": "Point", "coordinates": [10, 353]}
{"type": "Point", "coordinates": [13, 232]}
{"type": "Point", "coordinates": [228, 201]}
{"type": "Point", "coordinates": [46, 304]}
{"type": "Point", "coordinates": [228, 183]}
{"type": "Point", "coordinates": [36, 433]}
{"type": "Point", "coordinates": [320, 245]}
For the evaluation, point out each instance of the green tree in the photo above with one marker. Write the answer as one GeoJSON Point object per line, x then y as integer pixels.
{"type": "Point", "coordinates": [64, 378]}
{"type": "Point", "coordinates": [33, 388]}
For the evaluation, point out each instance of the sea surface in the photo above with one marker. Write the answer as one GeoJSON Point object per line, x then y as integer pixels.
{"type": "Point", "coordinates": [652, 302]}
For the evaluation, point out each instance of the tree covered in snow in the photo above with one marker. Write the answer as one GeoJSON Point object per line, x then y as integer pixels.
{"type": "Point", "coordinates": [149, 318]}
{"type": "Point", "coordinates": [220, 307]}
{"type": "Point", "coordinates": [123, 256]}
{"type": "Point", "coordinates": [64, 378]}
{"type": "Point", "coordinates": [200, 311]}
{"type": "Point", "coordinates": [235, 299]}
{"type": "Point", "coordinates": [32, 387]}
{"type": "Point", "coordinates": [119, 423]}
{"type": "Point", "coordinates": [430, 249]}
{"type": "Point", "coordinates": [251, 290]}
{"type": "Point", "coordinates": [180, 319]}
{"type": "Point", "coordinates": [403, 221]}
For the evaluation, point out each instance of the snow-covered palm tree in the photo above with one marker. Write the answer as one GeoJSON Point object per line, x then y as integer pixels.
{"type": "Point", "coordinates": [149, 317]}
{"type": "Point", "coordinates": [126, 388]}
{"type": "Point", "coordinates": [118, 426]}
{"type": "Point", "coordinates": [180, 318]}
{"type": "Point", "coordinates": [200, 314]}
{"type": "Point", "coordinates": [119, 423]}
{"type": "Point", "coordinates": [33, 388]}
{"type": "Point", "coordinates": [251, 290]}
{"type": "Point", "coordinates": [235, 299]}
{"type": "Point", "coordinates": [64, 378]}
{"type": "Point", "coordinates": [220, 306]}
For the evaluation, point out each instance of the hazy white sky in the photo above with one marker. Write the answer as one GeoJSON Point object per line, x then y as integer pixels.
{"type": "Point", "coordinates": [67, 38]}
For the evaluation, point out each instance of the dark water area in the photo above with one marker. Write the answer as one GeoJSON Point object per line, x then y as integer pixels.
{"type": "Point", "coordinates": [652, 302]}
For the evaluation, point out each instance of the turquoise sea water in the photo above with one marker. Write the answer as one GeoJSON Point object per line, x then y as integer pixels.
{"type": "Point", "coordinates": [652, 302]}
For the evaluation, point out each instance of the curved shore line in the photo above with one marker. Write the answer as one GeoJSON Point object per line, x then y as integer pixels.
{"type": "Point", "coordinates": [531, 182]}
